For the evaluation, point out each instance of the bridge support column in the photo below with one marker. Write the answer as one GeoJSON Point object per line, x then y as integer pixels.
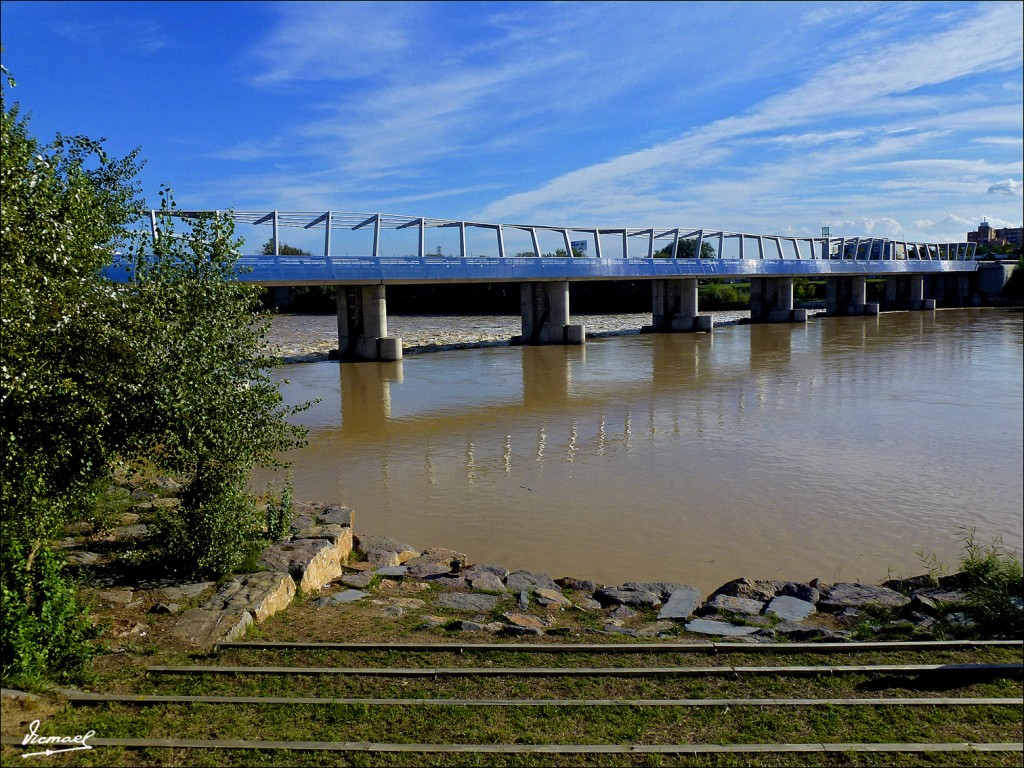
{"type": "Point", "coordinates": [363, 325]}
{"type": "Point", "coordinates": [848, 296]}
{"type": "Point", "coordinates": [674, 307]}
{"type": "Point", "coordinates": [771, 301]}
{"type": "Point", "coordinates": [545, 312]}
{"type": "Point", "coordinates": [906, 292]}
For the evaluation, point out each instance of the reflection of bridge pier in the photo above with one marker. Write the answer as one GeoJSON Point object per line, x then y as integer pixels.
{"type": "Point", "coordinates": [848, 296]}
{"type": "Point", "coordinates": [545, 313]}
{"type": "Point", "coordinates": [363, 324]}
{"type": "Point", "coordinates": [547, 374]}
{"type": "Point", "coordinates": [771, 301]}
{"type": "Point", "coordinates": [366, 395]}
{"type": "Point", "coordinates": [674, 307]}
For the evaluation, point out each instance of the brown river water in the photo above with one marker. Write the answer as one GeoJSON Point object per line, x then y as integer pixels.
{"type": "Point", "coordinates": [846, 448]}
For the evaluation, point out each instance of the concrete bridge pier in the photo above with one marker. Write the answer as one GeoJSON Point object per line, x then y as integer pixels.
{"type": "Point", "coordinates": [674, 307]}
{"type": "Point", "coordinates": [906, 292]}
{"type": "Point", "coordinates": [545, 313]}
{"type": "Point", "coordinates": [848, 296]}
{"type": "Point", "coordinates": [771, 301]}
{"type": "Point", "coordinates": [953, 290]}
{"type": "Point", "coordinates": [363, 325]}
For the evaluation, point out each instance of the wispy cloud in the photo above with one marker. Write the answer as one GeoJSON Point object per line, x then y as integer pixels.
{"type": "Point", "coordinates": [1007, 187]}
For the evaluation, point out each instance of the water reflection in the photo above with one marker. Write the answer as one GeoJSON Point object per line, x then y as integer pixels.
{"type": "Point", "coordinates": [831, 449]}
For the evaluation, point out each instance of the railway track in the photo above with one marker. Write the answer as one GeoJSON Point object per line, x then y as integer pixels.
{"type": "Point", "coordinates": [462, 700]}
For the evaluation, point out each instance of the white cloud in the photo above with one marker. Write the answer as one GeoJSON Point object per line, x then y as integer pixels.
{"type": "Point", "coordinates": [1007, 187]}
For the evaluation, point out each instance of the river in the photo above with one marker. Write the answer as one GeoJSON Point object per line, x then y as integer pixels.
{"type": "Point", "coordinates": [845, 449]}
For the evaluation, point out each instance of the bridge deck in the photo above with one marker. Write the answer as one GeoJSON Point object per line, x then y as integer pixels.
{"type": "Point", "coordinates": [333, 270]}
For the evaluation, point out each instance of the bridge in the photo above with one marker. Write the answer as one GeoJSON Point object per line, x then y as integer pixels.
{"type": "Point", "coordinates": [394, 250]}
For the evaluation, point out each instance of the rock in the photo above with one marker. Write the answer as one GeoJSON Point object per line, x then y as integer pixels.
{"type": "Point", "coordinates": [524, 620]}
{"type": "Point", "coordinates": [663, 589]}
{"type": "Point", "coordinates": [429, 560]}
{"type": "Point", "coordinates": [261, 594]}
{"type": "Point", "coordinates": [759, 589]}
{"type": "Point", "coordinates": [640, 598]}
{"type": "Point", "coordinates": [201, 626]}
{"type": "Point", "coordinates": [128, 518]}
{"type": "Point", "coordinates": [137, 531]}
{"type": "Point", "coordinates": [393, 611]}
{"type": "Point", "coordinates": [82, 558]}
{"type": "Point", "coordinates": [551, 597]}
{"type": "Point", "coordinates": [805, 592]}
{"type": "Point", "coordinates": [360, 565]}
{"type": "Point", "coordinates": [138, 630]}
{"type": "Point", "coordinates": [358, 580]}
{"type": "Point", "coordinates": [485, 582]}
{"type": "Point", "coordinates": [433, 622]}
{"type": "Point", "coordinates": [622, 613]}
{"type": "Point", "coordinates": [588, 604]}
{"type": "Point", "coordinates": [339, 598]}
{"type": "Point", "coordinates": [524, 601]}
{"type": "Point", "coordinates": [339, 536]}
{"type": "Point", "coordinates": [528, 581]}
{"type": "Point", "coordinates": [187, 591]}
{"type": "Point", "coordinates": [336, 514]}
{"type": "Point", "coordinates": [934, 599]}
{"type": "Point", "coordinates": [846, 595]}
{"type": "Point", "coordinates": [680, 604]}
{"type": "Point", "coordinates": [468, 602]}
{"type": "Point", "coordinates": [494, 626]}
{"type": "Point", "coordinates": [790, 608]}
{"type": "Point", "coordinates": [655, 629]}
{"type": "Point", "coordinates": [513, 630]}
{"type": "Point", "coordinates": [422, 569]}
{"type": "Point", "coordinates": [579, 585]}
{"type": "Point", "coordinates": [960, 621]}
{"type": "Point", "coordinates": [81, 528]}
{"type": "Point", "coordinates": [382, 558]}
{"type": "Point", "coordinates": [312, 563]}
{"type": "Point", "coordinates": [914, 583]}
{"type": "Point", "coordinates": [467, 626]}
{"type": "Point", "coordinates": [384, 551]}
{"type": "Point", "coordinates": [711, 627]}
{"type": "Point", "coordinates": [391, 571]}
{"type": "Point", "coordinates": [741, 606]}
{"type": "Point", "coordinates": [116, 596]}
{"type": "Point", "coordinates": [802, 632]}
{"type": "Point", "coordinates": [166, 608]}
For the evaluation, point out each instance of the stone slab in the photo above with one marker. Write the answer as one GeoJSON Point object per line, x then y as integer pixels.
{"type": "Point", "coordinates": [848, 595]}
{"type": "Point", "coordinates": [201, 626]}
{"type": "Point", "coordinates": [528, 581]}
{"type": "Point", "coordinates": [552, 597]}
{"type": "Point", "coordinates": [187, 591]}
{"type": "Point", "coordinates": [681, 603]}
{"type": "Point", "coordinates": [339, 598]}
{"type": "Point", "coordinates": [790, 608]}
{"type": "Point", "coordinates": [721, 628]}
{"type": "Point", "coordinates": [312, 563]}
{"type": "Point", "coordinates": [261, 594]}
{"type": "Point", "coordinates": [740, 606]}
{"type": "Point", "coordinates": [639, 598]}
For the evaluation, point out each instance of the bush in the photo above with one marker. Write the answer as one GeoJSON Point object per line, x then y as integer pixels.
{"type": "Point", "coordinates": [994, 582]}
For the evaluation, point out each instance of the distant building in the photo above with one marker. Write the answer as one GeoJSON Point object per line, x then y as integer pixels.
{"type": "Point", "coordinates": [986, 235]}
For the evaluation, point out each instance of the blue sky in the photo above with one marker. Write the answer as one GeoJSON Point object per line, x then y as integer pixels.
{"type": "Point", "coordinates": [900, 120]}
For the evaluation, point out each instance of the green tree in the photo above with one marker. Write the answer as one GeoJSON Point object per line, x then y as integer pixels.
{"type": "Point", "coordinates": [283, 250]}
{"type": "Point", "coordinates": [686, 250]}
{"type": "Point", "coordinates": [168, 369]}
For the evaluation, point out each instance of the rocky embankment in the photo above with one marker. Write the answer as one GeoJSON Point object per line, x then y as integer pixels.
{"type": "Point", "coordinates": [442, 590]}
